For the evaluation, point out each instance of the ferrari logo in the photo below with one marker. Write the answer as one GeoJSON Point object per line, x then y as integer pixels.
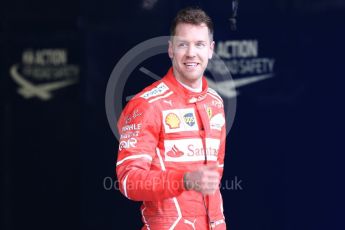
{"type": "Point", "coordinates": [209, 112]}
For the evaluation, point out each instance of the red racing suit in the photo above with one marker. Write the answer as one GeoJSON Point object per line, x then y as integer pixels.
{"type": "Point", "coordinates": [166, 131]}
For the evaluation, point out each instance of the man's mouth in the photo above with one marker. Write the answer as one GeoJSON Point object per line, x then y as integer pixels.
{"type": "Point", "coordinates": [191, 65]}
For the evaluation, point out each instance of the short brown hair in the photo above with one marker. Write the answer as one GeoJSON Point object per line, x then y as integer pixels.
{"type": "Point", "coordinates": [192, 15]}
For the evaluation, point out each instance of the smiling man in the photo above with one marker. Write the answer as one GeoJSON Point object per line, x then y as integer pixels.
{"type": "Point", "coordinates": [172, 145]}
{"type": "Point", "coordinates": [190, 48]}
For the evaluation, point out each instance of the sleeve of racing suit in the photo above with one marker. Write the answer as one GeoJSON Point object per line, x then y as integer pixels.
{"type": "Point", "coordinates": [139, 127]}
{"type": "Point", "coordinates": [221, 151]}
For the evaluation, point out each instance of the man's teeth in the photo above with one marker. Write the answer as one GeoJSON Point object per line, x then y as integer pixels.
{"type": "Point", "coordinates": [191, 64]}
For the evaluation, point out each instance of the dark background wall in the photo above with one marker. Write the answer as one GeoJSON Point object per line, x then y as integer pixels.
{"type": "Point", "coordinates": [58, 154]}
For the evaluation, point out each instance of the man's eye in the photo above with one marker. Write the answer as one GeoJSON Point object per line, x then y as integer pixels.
{"type": "Point", "coordinates": [182, 45]}
{"type": "Point", "coordinates": [200, 45]}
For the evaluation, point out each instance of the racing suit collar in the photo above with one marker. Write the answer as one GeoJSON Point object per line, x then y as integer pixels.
{"type": "Point", "coordinates": [189, 96]}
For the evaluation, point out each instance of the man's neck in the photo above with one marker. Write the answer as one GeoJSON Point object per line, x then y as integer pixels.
{"type": "Point", "coordinates": [197, 88]}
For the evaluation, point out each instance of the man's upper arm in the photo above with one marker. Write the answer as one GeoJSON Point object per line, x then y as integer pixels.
{"type": "Point", "coordinates": [139, 127]}
{"type": "Point", "coordinates": [139, 134]}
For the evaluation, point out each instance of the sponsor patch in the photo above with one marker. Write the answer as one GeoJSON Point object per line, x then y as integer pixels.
{"type": "Point", "coordinates": [173, 121]}
{"type": "Point", "coordinates": [129, 118]}
{"type": "Point", "coordinates": [217, 122]}
{"type": "Point", "coordinates": [131, 127]}
{"type": "Point", "coordinates": [179, 120]}
{"type": "Point", "coordinates": [158, 90]}
{"type": "Point", "coordinates": [187, 150]}
{"type": "Point", "coordinates": [130, 143]}
{"type": "Point", "coordinates": [189, 119]}
{"type": "Point", "coordinates": [217, 103]}
{"type": "Point", "coordinates": [129, 134]}
{"type": "Point", "coordinates": [175, 152]}
{"type": "Point", "coordinates": [209, 112]}
{"type": "Point", "coordinates": [196, 99]}
{"type": "Point", "coordinates": [169, 102]}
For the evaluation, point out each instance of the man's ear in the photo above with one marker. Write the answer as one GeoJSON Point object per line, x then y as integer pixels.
{"type": "Point", "coordinates": [211, 50]}
{"type": "Point", "coordinates": [170, 50]}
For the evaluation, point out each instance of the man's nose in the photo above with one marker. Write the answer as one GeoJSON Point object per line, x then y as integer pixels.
{"type": "Point", "coordinates": [191, 51]}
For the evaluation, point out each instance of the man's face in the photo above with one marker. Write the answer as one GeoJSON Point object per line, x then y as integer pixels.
{"type": "Point", "coordinates": [190, 49]}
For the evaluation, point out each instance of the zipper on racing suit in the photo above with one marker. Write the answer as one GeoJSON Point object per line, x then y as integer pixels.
{"type": "Point", "coordinates": [202, 133]}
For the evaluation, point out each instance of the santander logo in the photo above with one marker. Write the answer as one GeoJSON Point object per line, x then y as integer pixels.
{"type": "Point", "coordinates": [175, 152]}
{"type": "Point", "coordinates": [200, 151]}
{"type": "Point", "coordinates": [188, 150]}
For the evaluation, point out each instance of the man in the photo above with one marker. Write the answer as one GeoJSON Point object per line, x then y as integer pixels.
{"type": "Point", "coordinates": [172, 144]}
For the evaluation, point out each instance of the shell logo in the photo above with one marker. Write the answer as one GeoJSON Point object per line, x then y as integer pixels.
{"type": "Point", "coordinates": [172, 121]}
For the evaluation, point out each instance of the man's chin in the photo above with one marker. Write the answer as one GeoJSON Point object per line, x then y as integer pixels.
{"type": "Point", "coordinates": [196, 74]}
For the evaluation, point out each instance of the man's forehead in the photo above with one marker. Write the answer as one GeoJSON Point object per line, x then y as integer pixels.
{"type": "Point", "coordinates": [185, 39]}
{"type": "Point", "coordinates": [196, 39]}
{"type": "Point", "coordinates": [201, 26]}
{"type": "Point", "coordinates": [187, 32]}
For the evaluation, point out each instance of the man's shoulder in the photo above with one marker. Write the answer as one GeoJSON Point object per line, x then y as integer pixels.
{"type": "Point", "coordinates": [146, 101]}
{"type": "Point", "coordinates": [214, 94]}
